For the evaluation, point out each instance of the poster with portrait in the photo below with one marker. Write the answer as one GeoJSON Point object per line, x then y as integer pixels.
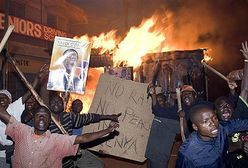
{"type": "Point", "coordinates": [69, 65]}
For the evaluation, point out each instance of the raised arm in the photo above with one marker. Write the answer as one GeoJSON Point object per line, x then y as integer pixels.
{"type": "Point", "coordinates": [152, 91]}
{"type": "Point", "coordinates": [241, 74]}
{"type": "Point", "coordinates": [112, 117]}
{"type": "Point", "coordinates": [236, 125]}
{"type": "Point", "coordinates": [4, 115]}
{"type": "Point", "coordinates": [93, 136]}
{"type": "Point", "coordinates": [41, 75]}
{"type": "Point", "coordinates": [244, 85]}
{"type": "Point", "coordinates": [232, 85]}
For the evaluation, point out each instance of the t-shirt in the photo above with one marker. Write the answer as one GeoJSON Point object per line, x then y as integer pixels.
{"type": "Point", "coordinates": [72, 121]}
{"type": "Point", "coordinates": [238, 157]}
{"type": "Point", "coordinates": [195, 152]}
{"type": "Point", "coordinates": [43, 151]}
{"type": "Point", "coordinates": [16, 108]}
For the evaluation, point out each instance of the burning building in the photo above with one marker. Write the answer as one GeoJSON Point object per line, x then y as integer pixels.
{"type": "Point", "coordinates": [108, 49]}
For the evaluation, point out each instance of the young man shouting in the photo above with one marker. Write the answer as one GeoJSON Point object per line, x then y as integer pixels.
{"type": "Point", "coordinates": [208, 145]}
{"type": "Point", "coordinates": [37, 147]}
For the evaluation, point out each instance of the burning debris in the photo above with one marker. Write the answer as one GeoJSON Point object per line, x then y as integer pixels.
{"type": "Point", "coordinates": [135, 51]}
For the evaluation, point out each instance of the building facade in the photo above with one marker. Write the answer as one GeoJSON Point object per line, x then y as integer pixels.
{"type": "Point", "coordinates": [36, 23]}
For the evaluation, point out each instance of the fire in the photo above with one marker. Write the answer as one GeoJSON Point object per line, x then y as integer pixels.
{"type": "Point", "coordinates": [105, 42]}
{"type": "Point", "coordinates": [145, 38]}
{"type": "Point", "coordinates": [148, 37]}
{"type": "Point", "coordinates": [207, 58]}
{"type": "Point", "coordinates": [92, 80]}
{"type": "Point", "coordinates": [139, 41]}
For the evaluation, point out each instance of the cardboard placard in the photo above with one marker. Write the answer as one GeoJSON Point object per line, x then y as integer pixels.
{"type": "Point", "coordinates": [115, 95]}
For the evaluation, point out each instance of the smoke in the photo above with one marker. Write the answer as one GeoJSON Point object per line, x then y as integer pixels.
{"type": "Point", "coordinates": [220, 26]}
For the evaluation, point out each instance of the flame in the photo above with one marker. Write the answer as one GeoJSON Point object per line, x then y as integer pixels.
{"type": "Point", "coordinates": [105, 42]}
{"type": "Point", "coordinates": [207, 58]}
{"type": "Point", "coordinates": [92, 80]}
{"type": "Point", "coordinates": [148, 37]}
{"type": "Point", "coordinates": [140, 40]}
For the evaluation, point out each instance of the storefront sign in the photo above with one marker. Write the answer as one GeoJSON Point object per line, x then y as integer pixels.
{"type": "Point", "coordinates": [28, 28]}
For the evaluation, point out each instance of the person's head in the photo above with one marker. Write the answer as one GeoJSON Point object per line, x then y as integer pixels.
{"type": "Point", "coordinates": [71, 58]}
{"type": "Point", "coordinates": [188, 95]}
{"type": "Point", "coordinates": [30, 104]}
{"type": "Point", "coordinates": [223, 108]}
{"type": "Point", "coordinates": [77, 106]}
{"type": "Point", "coordinates": [204, 121]}
{"type": "Point", "coordinates": [161, 99]}
{"type": "Point", "coordinates": [56, 104]}
{"type": "Point", "coordinates": [5, 98]}
{"type": "Point", "coordinates": [42, 118]}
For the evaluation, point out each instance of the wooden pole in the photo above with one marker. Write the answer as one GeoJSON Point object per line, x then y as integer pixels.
{"type": "Point", "coordinates": [6, 37]}
{"type": "Point", "coordinates": [214, 71]}
{"type": "Point", "coordinates": [179, 103]}
{"type": "Point", "coordinates": [33, 92]}
{"type": "Point", "coordinates": [24, 80]}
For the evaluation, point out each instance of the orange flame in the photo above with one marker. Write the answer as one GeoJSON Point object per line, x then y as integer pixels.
{"type": "Point", "coordinates": [145, 38]}
{"type": "Point", "coordinates": [104, 42]}
{"type": "Point", "coordinates": [139, 41]}
{"type": "Point", "coordinates": [148, 37]}
{"type": "Point", "coordinates": [207, 58]}
{"type": "Point", "coordinates": [92, 80]}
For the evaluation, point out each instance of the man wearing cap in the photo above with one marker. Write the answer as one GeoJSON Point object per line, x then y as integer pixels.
{"type": "Point", "coordinates": [15, 109]}
{"type": "Point", "coordinates": [165, 126]}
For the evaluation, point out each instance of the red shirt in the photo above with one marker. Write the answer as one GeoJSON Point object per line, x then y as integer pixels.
{"type": "Point", "coordinates": [43, 151]}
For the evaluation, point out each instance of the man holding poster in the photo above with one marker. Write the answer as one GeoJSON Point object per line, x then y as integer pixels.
{"type": "Point", "coordinates": [68, 70]}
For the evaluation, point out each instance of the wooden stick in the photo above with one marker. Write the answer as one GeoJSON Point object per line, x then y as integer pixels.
{"type": "Point", "coordinates": [179, 103]}
{"type": "Point", "coordinates": [6, 37]}
{"type": "Point", "coordinates": [214, 71]}
{"type": "Point", "coordinates": [33, 92]}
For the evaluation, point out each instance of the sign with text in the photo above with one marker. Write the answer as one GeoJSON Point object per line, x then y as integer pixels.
{"type": "Point", "coordinates": [115, 95]}
{"type": "Point", "coordinates": [28, 28]}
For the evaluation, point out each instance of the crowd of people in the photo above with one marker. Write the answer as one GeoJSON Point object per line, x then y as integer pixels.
{"type": "Point", "coordinates": [216, 132]}
{"type": "Point", "coordinates": [38, 141]}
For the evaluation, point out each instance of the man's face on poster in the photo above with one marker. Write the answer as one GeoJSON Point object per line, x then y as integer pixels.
{"type": "Point", "coordinates": [70, 60]}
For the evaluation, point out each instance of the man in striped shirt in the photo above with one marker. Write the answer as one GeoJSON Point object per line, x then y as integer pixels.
{"type": "Point", "coordinates": [72, 120]}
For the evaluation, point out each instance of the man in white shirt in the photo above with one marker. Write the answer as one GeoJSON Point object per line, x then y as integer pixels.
{"type": "Point", "coordinates": [16, 108]}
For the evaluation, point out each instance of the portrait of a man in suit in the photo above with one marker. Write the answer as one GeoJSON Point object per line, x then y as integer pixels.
{"type": "Point", "coordinates": [68, 77]}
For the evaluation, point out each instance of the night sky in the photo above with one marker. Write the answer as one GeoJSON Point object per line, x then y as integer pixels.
{"type": "Point", "coordinates": [220, 25]}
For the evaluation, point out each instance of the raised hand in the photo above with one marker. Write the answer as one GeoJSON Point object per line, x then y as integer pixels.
{"type": "Point", "coordinates": [244, 49]}
{"type": "Point", "coordinates": [151, 88]}
{"type": "Point", "coordinates": [114, 117]}
{"type": "Point", "coordinates": [112, 126]}
{"type": "Point", "coordinates": [43, 72]}
{"type": "Point", "coordinates": [181, 113]}
{"type": "Point", "coordinates": [232, 84]}
{"type": "Point", "coordinates": [235, 75]}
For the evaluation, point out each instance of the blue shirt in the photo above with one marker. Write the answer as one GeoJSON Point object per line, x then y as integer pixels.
{"type": "Point", "coordinates": [77, 131]}
{"type": "Point", "coordinates": [171, 112]}
{"type": "Point", "coordinates": [195, 152]}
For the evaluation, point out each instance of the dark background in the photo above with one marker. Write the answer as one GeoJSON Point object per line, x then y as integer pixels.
{"type": "Point", "coordinates": [220, 25]}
